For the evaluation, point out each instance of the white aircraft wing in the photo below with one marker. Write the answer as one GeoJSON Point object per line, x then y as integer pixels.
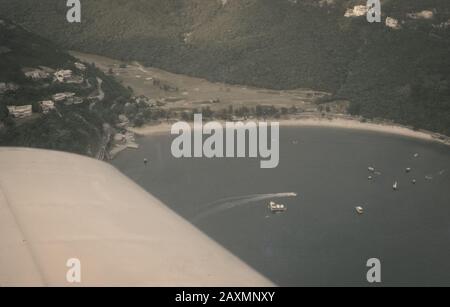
{"type": "Point", "coordinates": [56, 206]}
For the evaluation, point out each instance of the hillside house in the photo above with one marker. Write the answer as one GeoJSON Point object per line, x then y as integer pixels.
{"type": "Point", "coordinates": [392, 23]}
{"type": "Point", "coordinates": [80, 66]}
{"type": "Point", "coordinates": [20, 111]}
{"type": "Point", "coordinates": [62, 96]}
{"type": "Point", "coordinates": [426, 14]}
{"type": "Point", "coordinates": [47, 106]}
{"type": "Point", "coordinates": [35, 73]}
{"type": "Point", "coordinates": [357, 11]}
{"type": "Point", "coordinates": [73, 100]}
{"type": "Point", "coordinates": [63, 75]}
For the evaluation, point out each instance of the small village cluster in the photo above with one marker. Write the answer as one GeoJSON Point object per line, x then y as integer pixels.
{"type": "Point", "coordinates": [42, 73]}
{"type": "Point", "coordinates": [390, 22]}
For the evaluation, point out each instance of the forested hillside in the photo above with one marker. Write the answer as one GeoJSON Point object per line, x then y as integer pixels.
{"type": "Point", "coordinates": [400, 73]}
{"type": "Point", "coordinates": [77, 127]}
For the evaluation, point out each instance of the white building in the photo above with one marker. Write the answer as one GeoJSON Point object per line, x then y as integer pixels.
{"type": "Point", "coordinates": [442, 25]}
{"type": "Point", "coordinates": [80, 66]}
{"type": "Point", "coordinates": [119, 138]}
{"type": "Point", "coordinates": [47, 106]}
{"type": "Point", "coordinates": [73, 100]}
{"type": "Point", "coordinates": [20, 111]}
{"type": "Point", "coordinates": [62, 96]}
{"type": "Point", "coordinates": [357, 11]}
{"type": "Point", "coordinates": [63, 75]}
{"type": "Point", "coordinates": [35, 74]}
{"type": "Point", "coordinates": [426, 14]}
{"type": "Point", "coordinates": [392, 23]}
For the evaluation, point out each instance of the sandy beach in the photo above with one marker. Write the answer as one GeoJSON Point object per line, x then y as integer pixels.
{"type": "Point", "coordinates": [344, 123]}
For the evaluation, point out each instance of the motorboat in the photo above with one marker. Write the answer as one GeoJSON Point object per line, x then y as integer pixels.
{"type": "Point", "coordinates": [277, 208]}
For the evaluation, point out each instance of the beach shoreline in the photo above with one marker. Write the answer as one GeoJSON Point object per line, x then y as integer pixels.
{"type": "Point", "coordinates": [326, 122]}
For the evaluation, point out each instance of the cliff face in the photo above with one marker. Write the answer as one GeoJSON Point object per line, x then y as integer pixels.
{"type": "Point", "coordinates": [397, 69]}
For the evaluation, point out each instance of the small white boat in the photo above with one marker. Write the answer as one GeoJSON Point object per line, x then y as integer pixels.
{"type": "Point", "coordinates": [370, 177]}
{"type": "Point", "coordinates": [371, 169]}
{"type": "Point", "coordinates": [416, 155]}
{"type": "Point", "coordinates": [395, 186]}
{"type": "Point", "coordinates": [408, 169]}
{"type": "Point", "coordinates": [277, 208]}
{"type": "Point", "coordinates": [359, 210]}
{"type": "Point", "coordinates": [414, 181]}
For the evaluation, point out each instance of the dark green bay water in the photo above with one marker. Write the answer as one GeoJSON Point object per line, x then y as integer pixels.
{"type": "Point", "coordinates": [320, 240]}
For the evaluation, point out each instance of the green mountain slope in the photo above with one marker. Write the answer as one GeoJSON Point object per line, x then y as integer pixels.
{"type": "Point", "coordinates": [401, 74]}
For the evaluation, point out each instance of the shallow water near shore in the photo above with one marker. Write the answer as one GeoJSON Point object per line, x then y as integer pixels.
{"type": "Point", "coordinates": [320, 240]}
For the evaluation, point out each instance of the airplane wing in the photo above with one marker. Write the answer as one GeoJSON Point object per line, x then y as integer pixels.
{"type": "Point", "coordinates": [56, 206]}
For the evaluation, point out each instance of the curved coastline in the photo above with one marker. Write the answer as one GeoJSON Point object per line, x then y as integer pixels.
{"type": "Point", "coordinates": [345, 123]}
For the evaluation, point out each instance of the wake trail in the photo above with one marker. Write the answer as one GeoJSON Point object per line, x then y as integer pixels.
{"type": "Point", "coordinates": [233, 202]}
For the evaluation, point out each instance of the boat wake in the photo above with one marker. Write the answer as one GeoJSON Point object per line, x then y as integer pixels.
{"type": "Point", "coordinates": [233, 202]}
